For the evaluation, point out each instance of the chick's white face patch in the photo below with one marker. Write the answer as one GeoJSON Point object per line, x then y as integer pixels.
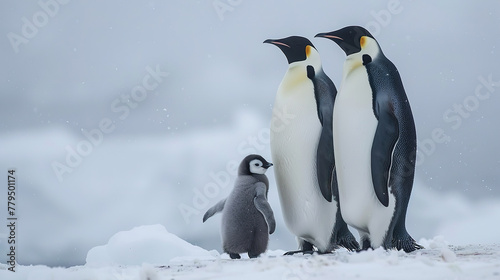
{"type": "Point", "coordinates": [256, 167]}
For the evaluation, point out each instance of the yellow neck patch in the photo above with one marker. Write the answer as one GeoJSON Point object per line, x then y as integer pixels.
{"type": "Point", "coordinates": [308, 50]}
{"type": "Point", "coordinates": [362, 41]}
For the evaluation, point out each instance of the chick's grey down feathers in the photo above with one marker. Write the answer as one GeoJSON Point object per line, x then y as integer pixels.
{"type": "Point", "coordinates": [247, 217]}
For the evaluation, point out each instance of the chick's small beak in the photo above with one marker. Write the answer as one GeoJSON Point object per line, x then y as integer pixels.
{"type": "Point", "coordinates": [266, 166]}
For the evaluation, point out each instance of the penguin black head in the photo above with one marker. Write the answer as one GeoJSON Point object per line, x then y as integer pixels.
{"type": "Point", "coordinates": [253, 164]}
{"type": "Point", "coordinates": [295, 48]}
{"type": "Point", "coordinates": [352, 39]}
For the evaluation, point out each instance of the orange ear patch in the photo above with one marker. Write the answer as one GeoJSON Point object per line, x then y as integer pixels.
{"type": "Point", "coordinates": [362, 41]}
{"type": "Point", "coordinates": [308, 50]}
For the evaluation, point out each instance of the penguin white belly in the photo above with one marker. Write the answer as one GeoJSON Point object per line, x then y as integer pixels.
{"type": "Point", "coordinates": [294, 144]}
{"type": "Point", "coordinates": [354, 126]}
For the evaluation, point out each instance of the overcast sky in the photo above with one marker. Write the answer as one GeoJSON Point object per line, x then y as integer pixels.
{"type": "Point", "coordinates": [165, 81]}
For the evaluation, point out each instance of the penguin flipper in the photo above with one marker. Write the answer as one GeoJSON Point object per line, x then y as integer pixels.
{"type": "Point", "coordinates": [214, 209]}
{"type": "Point", "coordinates": [325, 93]}
{"type": "Point", "coordinates": [260, 202]}
{"type": "Point", "coordinates": [325, 163]}
{"type": "Point", "coordinates": [386, 136]}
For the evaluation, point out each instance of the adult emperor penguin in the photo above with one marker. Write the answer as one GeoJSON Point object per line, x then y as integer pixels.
{"type": "Point", "coordinates": [247, 217]}
{"type": "Point", "coordinates": [375, 143]}
{"type": "Point", "coordinates": [302, 151]}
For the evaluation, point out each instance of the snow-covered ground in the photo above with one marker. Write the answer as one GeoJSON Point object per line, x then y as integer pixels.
{"type": "Point", "coordinates": [152, 253]}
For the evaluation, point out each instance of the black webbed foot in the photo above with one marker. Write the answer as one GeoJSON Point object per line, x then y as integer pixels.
{"type": "Point", "coordinates": [253, 255]}
{"type": "Point", "coordinates": [304, 252]}
{"type": "Point", "coordinates": [234, 256]}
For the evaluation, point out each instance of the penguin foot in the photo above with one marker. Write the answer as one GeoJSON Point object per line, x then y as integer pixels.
{"type": "Point", "coordinates": [253, 256]}
{"type": "Point", "coordinates": [234, 256]}
{"type": "Point", "coordinates": [306, 248]}
{"type": "Point", "coordinates": [349, 242]}
{"type": "Point", "coordinates": [342, 236]}
{"type": "Point", "coordinates": [407, 244]}
{"type": "Point", "coordinates": [366, 244]}
{"type": "Point", "coordinates": [363, 249]}
{"type": "Point", "coordinates": [304, 252]}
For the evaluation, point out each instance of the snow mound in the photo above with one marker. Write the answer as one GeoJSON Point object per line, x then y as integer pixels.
{"type": "Point", "coordinates": [439, 244]}
{"type": "Point", "coordinates": [151, 244]}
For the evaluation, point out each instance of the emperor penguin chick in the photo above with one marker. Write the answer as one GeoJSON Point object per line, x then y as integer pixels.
{"type": "Point", "coordinates": [247, 217]}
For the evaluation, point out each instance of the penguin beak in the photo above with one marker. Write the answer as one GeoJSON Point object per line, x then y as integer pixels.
{"type": "Point", "coordinates": [343, 39]}
{"type": "Point", "coordinates": [267, 165]}
{"type": "Point", "coordinates": [276, 42]}
{"type": "Point", "coordinates": [329, 36]}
